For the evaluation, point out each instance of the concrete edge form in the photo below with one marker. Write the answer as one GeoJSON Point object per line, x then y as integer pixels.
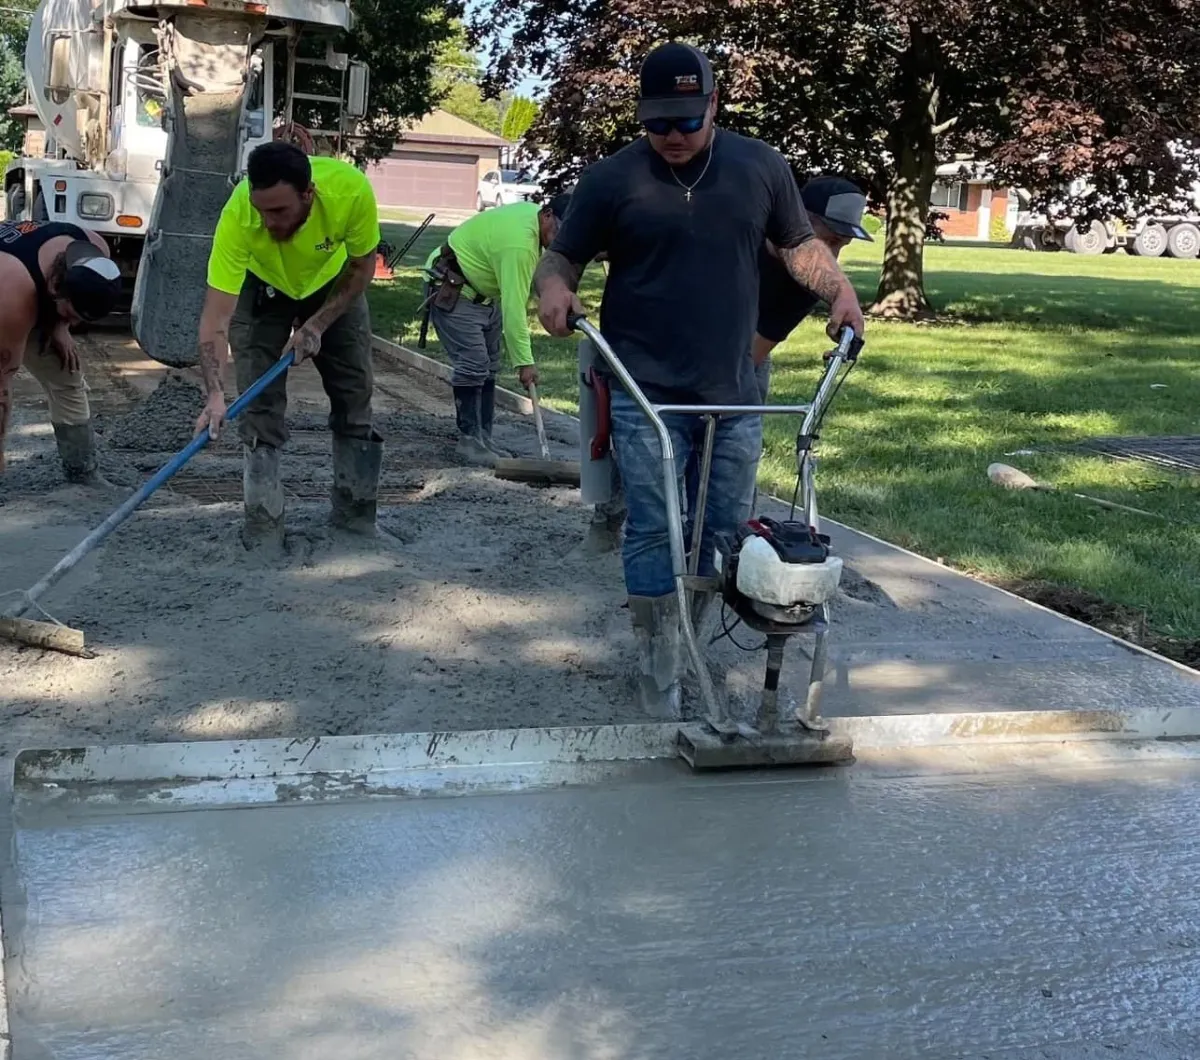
{"type": "Point", "coordinates": [1137, 649]}
{"type": "Point", "coordinates": [566, 746]}
{"type": "Point", "coordinates": [509, 400]}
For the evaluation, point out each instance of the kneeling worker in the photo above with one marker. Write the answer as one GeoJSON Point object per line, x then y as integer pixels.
{"type": "Point", "coordinates": [53, 275]}
{"type": "Point", "coordinates": [291, 260]}
{"type": "Point", "coordinates": [479, 287]}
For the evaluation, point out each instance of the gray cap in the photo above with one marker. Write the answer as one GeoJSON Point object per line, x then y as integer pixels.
{"type": "Point", "coordinates": [839, 203]}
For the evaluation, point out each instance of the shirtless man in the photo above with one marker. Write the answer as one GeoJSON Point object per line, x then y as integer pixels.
{"type": "Point", "coordinates": [52, 276]}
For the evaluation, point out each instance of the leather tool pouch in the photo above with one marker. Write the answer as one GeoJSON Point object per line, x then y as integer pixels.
{"type": "Point", "coordinates": [448, 279]}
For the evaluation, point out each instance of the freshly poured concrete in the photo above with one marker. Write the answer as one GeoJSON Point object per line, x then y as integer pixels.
{"type": "Point", "coordinates": [486, 615]}
{"type": "Point", "coordinates": [836, 915]}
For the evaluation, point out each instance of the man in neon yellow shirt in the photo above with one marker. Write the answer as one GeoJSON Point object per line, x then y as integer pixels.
{"type": "Point", "coordinates": [292, 257]}
{"type": "Point", "coordinates": [480, 284]}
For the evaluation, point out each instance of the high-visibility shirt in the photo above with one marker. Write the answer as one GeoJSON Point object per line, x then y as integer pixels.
{"type": "Point", "coordinates": [344, 221]}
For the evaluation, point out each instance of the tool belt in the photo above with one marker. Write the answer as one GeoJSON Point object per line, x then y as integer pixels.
{"type": "Point", "coordinates": [446, 281]}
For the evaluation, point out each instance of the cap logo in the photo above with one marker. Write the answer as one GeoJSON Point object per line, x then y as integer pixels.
{"type": "Point", "coordinates": [687, 83]}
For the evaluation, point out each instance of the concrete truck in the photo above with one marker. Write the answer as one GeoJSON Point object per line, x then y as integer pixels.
{"type": "Point", "coordinates": [150, 109]}
{"type": "Point", "coordinates": [1145, 233]}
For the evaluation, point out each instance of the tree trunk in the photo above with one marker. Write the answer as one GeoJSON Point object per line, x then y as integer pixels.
{"type": "Point", "coordinates": [913, 144]}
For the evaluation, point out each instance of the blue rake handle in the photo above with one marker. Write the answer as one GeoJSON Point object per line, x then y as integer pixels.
{"type": "Point", "coordinates": [131, 504]}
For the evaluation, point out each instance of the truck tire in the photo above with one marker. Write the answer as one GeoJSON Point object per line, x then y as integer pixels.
{"type": "Point", "coordinates": [1183, 241]}
{"type": "Point", "coordinates": [1150, 242]}
{"type": "Point", "coordinates": [1088, 241]}
{"type": "Point", "coordinates": [14, 202]}
{"type": "Point", "coordinates": [1047, 238]}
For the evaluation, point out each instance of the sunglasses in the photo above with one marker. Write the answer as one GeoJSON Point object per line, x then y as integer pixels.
{"type": "Point", "coordinates": [663, 126]}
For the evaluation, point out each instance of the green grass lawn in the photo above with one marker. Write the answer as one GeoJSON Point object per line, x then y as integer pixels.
{"type": "Point", "coordinates": [1034, 351]}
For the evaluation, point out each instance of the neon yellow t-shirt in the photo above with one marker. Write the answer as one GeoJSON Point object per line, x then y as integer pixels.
{"type": "Point", "coordinates": [344, 221]}
{"type": "Point", "coordinates": [498, 252]}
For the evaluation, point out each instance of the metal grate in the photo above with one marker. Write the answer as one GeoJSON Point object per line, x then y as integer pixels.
{"type": "Point", "coordinates": [1181, 453]}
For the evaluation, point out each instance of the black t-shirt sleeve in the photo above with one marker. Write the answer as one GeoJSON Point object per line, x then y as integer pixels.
{"type": "Point", "coordinates": [585, 230]}
{"type": "Point", "coordinates": [787, 225]}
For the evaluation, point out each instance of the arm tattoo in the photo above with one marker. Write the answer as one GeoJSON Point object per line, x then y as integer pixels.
{"type": "Point", "coordinates": [554, 266]}
{"type": "Point", "coordinates": [210, 363]}
{"type": "Point", "coordinates": [814, 268]}
{"type": "Point", "coordinates": [352, 281]}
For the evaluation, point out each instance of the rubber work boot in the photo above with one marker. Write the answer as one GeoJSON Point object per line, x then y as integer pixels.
{"type": "Point", "coordinates": [470, 448]}
{"type": "Point", "coordinates": [702, 609]}
{"type": "Point", "coordinates": [262, 497]}
{"type": "Point", "coordinates": [356, 464]}
{"type": "Point", "coordinates": [604, 531]}
{"type": "Point", "coordinates": [656, 626]}
{"type": "Point", "coordinates": [487, 416]}
{"type": "Point", "coordinates": [77, 450]}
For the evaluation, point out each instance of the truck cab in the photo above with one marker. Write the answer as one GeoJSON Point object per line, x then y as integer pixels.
{"type": "Point", "coordinates": [101, 79]}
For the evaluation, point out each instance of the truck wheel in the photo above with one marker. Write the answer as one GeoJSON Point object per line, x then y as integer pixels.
{"type": "Point", "coordinates": [1183, 241]}
{"type": "Point", "coordinates": [1047, 238]}
{"type": "Point", "coordinates": [1087, 241]}
{"type": "Point", "coordinates": [14, 202]}
{"type": "Point", "coordinates": [1150, 242]}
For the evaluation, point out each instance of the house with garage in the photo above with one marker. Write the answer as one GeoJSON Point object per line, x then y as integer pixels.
{"type": "Point", "coordinates": [438, 164]}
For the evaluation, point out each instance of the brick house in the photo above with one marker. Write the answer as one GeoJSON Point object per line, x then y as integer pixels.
{"type": "Point", "coordinates": [963, 191]}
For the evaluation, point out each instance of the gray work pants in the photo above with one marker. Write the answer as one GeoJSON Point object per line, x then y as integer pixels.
{"type": "Point", "coordinates": [470, 334]}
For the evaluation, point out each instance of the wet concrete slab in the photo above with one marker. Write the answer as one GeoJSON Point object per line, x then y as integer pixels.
{"type": "Point", "coordinates": [1044, 913]}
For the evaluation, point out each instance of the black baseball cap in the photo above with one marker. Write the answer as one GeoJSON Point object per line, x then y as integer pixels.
{"type": "Point", "coordinates": [91, 282]}
{"type": "Point", "coordinates": [839, 203]}
{"type": "Point", "coordinates": [676, 82]}
{"type": "Point", "coordinates": [558, 204]}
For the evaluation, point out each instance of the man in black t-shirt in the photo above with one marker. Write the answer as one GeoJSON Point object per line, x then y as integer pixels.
{"type": "Point", "coordinates": [835, 209]}
{"type": "Point", "coordinates": [682, 214]}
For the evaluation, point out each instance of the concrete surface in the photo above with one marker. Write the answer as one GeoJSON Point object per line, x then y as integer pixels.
{"type": "Point", "coordinates": [839, 914]}
{"type": "Point", "coordinates": [481, 613]}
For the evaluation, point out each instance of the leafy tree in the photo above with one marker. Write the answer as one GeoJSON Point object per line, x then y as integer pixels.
{"type": "Point", "coordinates": [518, 117]}
{"type": "Point", "coordinates": [14, 29]}
{"type": "Point", "coordinates": [457, 76]}
{"type": "Point", "coordinates": [400, 40]}
{"type": "Point", "coordinates": [1047, 91]}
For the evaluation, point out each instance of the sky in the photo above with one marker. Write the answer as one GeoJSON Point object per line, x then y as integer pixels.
{"type": "Point", "coordinates": [527, 86]}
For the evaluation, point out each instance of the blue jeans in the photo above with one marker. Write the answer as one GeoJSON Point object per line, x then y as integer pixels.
{"type": "Point", "coordinates": [736, 451]}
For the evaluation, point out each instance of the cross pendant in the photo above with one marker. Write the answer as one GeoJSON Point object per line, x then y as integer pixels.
{"type": "Point", "coordinates": [687, 195]}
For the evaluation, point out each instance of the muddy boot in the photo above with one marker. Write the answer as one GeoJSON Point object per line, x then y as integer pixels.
{"type": "Point", "coordinates": [656, 626]}
{"type": "Point", "coordinates": [262, 497]}
{"type": "Point", "coordinates": [470, 448]}
{"type": "Point", "coordinates": [604, 531]}
{"type": "Point", "coordinates": [77, 450]}
{"type": "Point", "coordinates": [487, 416]}
{"type": "Point", "coordinates": [356, 464]}
{"type": "Point", "coordinates": [702, 610]}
